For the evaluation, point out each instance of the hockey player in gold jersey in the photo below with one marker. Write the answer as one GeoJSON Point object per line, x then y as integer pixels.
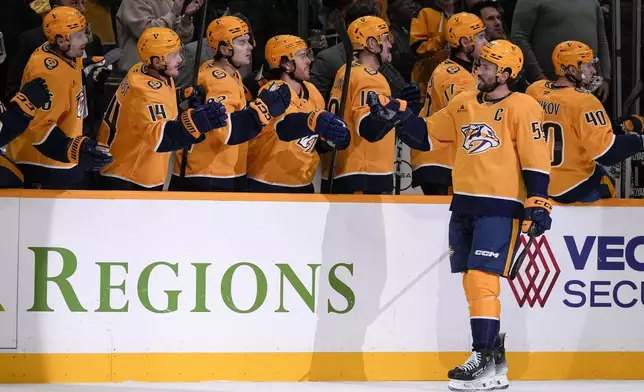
{"type": "Point", "coordinates": [432, 170]}
{"type": "Point", "coordinates": [220, 162]}
{"type": "Point", "coordinates": [283, 158]}
{"type": "Point", "coordinates": [366, 166]}
{"type": "Point", "coordinates": [14, 120]}
{"type": "Point", "coordinates": [578, 130]}
{"type": "Point", "coordinates": [52, 153]}
{"type": "Point", "coordinates": [142, 124]}
{"type": "Point", "coordinates": [501, 174]}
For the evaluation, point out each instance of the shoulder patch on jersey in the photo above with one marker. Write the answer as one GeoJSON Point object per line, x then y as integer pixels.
{"type": "Point", "coordinates": [452, 69]}
{"type": "Point", "coordinates": [370, 71]}
{"type": "Point", "coordinates": [479, 138]}
{"type": "Point", "coordinates": [219, 74]}
{"type": "Point", "coordinates": [155, 84]}
{"type": "Point", "coordinates": [51, 63]}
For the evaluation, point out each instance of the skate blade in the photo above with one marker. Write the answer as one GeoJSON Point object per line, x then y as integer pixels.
{"type": "Point", "coordinates": [501, 382]}
{"type": "Point", "coordinates": [485, 384]}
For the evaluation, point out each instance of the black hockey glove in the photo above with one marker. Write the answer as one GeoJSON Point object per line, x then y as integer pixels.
{"type": "Point", "coordinates": [536, 216]}
{"type": "Point", "coordinates": [196, 96]}
{"type": "Point", "coordinates": [33, 95]}
{"type": "Point", "coordinates": [277, 101]}
{"type": "Point", "coordinates": [634, 123]}
{"type": "Point", "coordinates": [88, 154]}
{"type": "Point", "coordinates": [204, 118]}
{"type": "Point", "coordinates": [410, 93]}
{"type": "Point", "coordinates": [330, 128]}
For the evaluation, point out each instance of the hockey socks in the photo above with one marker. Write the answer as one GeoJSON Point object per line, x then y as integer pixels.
{"type": "Point", "coordinates": [482, 291]}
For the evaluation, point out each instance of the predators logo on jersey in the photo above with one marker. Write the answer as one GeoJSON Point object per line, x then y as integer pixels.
{"type": "Point", "coordinates": [479, 138]}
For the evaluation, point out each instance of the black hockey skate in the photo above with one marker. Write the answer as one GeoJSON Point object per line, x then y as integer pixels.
{"type": "Point", "coordinates": [500, 363]}
{"type": "Point", "coordinates": [476, 374]}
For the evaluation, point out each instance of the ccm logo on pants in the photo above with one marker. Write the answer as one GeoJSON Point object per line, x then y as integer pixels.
{"type": "Point", "coordinates": [486, 253]}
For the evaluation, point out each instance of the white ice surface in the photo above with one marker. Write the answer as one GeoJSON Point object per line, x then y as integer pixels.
{"type": "Point", "coordinates": [518, 386]}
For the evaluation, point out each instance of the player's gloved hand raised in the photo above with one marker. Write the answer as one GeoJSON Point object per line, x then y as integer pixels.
{"type": "Point", "coordinates": [634, 123]}
{"type": "Point", "coordinates": [330, 128]}
{"type": "Point", "coordinates": [536, 216]}
{"type": "Point", "coordinates": [33, 95]}
{"type": "Point", "coordinates": [277, 100]}
{"type": "Point", "coordinates": [205, 118]}
{"type": "Point", "coordinates": [196, 95]}
{"type": "Point", "coordinates": [88, 154]}
{"type": "Point", "coordinates": [410, 93]}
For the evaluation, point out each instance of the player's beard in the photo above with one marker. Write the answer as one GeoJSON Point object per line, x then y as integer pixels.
{"type": "Point", "coordinates": [486, 87]}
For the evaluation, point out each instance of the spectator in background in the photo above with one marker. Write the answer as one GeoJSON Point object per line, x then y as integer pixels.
{"type": "Point", "coordinates": [428, 40]}
{"type": "Point", "coordinates": [491, 14]}
{"type": "Point", "coordinates": [328, 62]}
{"type": "Point", "coordinates": [16, 17]}
{"type": "Point", "coordinates": [539, 26]}
{"type": "Point", "coordinates": [401, 13]}
{"type": "Point", "coordinates": [134, 16]}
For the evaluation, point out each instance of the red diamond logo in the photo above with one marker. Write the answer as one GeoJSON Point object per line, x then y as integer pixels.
{"type": "Point", "coordinates": [538, 274]}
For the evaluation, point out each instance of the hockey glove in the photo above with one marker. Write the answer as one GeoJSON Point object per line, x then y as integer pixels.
{"type": "Point", "coordinates": [634, 123]}
{"type": "Point", "coordinates": [277, 101]}
{"type": "Point", "coordinates": [330, 128]}
{"type": "Point", "coordinates": [536, 215]}
{"type": "Point", "coordinates": [88, 154]}
{"type": "Point", "coordinates": [195, 95]}
{"type": "Point", "coordinates": [204, 118]}
{"type": "Point", "coordinates": [33, 95]}
{"type": "Point", "coordinates": [411, 94]}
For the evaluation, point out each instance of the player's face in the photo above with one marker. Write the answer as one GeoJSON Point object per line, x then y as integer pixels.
{"type": "Point", "coordinates": [302, 65]}
{"type": "Point", "coordinates": [387, 44]}
{"type": "Point", "coordinates": [485, 73]}
{"type": "Point", "coordinates": [173, 64]}
{"type": "Point", "coordinates": [77, 42]}
{"type": "Point", "coordinates": [243, 51]}
{"type": "Point", "coordinates": [590, 76]}
{"type": "Point", "coordinates": [480, 41]}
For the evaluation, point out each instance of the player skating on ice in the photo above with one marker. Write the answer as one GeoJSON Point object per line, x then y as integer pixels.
{"type": "Point", "coordinates": [501, 174]}
{"type": "Point", "coordinates": [283, 158]}
{"type": "Point", "coordinates": [52, 153]}
{"type": "Point", "coordinates": [142, 123]}
{"type": "Point", "coordinates": [219, 163]}
{"type": "Point", "coordinates": [366, 166]}
{"type": "Point", "coordinates": [578, 129]}
{"type": "Point", "coordinates": [432, 170]}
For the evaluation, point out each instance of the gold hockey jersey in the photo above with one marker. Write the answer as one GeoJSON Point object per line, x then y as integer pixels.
{"type": "Point", "coordinates": [213, 158]}
{"type": "Point", "coordinates": [133, 128]}
{"type": "Point", "coordinates": [498, 145]}
{"type": "Point", "coordinates": [65, 110]}
{"type": "Point", "coordinates": [287, 164]}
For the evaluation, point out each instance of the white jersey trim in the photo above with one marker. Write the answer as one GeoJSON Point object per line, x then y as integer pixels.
{"type": "Point", "coordinates": [489, 196]}
{"type": "Point", "coordinates": [536, 170]}
{"type": "Point", "coordinates": [156, 148]}
{"type": "Point", "coordinates": [432, 164]}
{"type": "Point", "coordinates": [208, 176]}
{"type": "Point", "coordinates": [278, 184]}
{"type": "Point", "coordinates": [365, 173]}
{"type": "Point", "coordinates": [359, 121]}
{"type": "Point", "coordinates": [46, 135]}
{"type": "Point", "coordinates": [130, 180]}
{"type": "Point", "coordinates": [606, 150]}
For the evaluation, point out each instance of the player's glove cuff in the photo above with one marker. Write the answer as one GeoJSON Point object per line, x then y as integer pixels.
{"type": "Point", "coordinates": [392, 103]}
{"type": "Point", "coordinates": [634, 123]}
{"type": "Point", "coordinates": [537, 210]}
{"type": "Point", "coordinates": [24, 104]}
{"type": "Point", "coordinates": [189, 124]}
{"type": "Point", "coordinates": [74, 149]}
{"type": "Point", "coordinates": [263, 114]}
{"type": "Point", "coordinates": [312, 120]}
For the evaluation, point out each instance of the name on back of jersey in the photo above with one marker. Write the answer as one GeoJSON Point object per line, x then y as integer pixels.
{"type": "Point", "coordinates": [550, 107]}
{"type": "Point", "coordinates": [479, 138]}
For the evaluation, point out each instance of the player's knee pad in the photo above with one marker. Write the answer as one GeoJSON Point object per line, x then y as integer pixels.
{"type": "Point", "coordinates": [10, 175]}
{"type": "Point", "coordinates": [483, 290]}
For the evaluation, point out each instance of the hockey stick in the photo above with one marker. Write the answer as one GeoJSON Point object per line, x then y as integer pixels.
{"type": "Point", "coordinates": [396, 83]}
{"type": "Point", "coordinates": [636, 92]}
{"type": "Point", "coordinates": [519, 260]}
{"type": "Point", "coordinates": [341, 29]}
{"type": "Point", "coordinates": [195, 76]}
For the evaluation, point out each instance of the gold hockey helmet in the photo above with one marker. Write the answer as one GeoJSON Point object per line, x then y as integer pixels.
{"type": "Point", "coordinates": [283, 46]}
{"type": "Point", "coordinates": [505, 55]}
{"type": "Point", "coordinates": [63, 21]}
